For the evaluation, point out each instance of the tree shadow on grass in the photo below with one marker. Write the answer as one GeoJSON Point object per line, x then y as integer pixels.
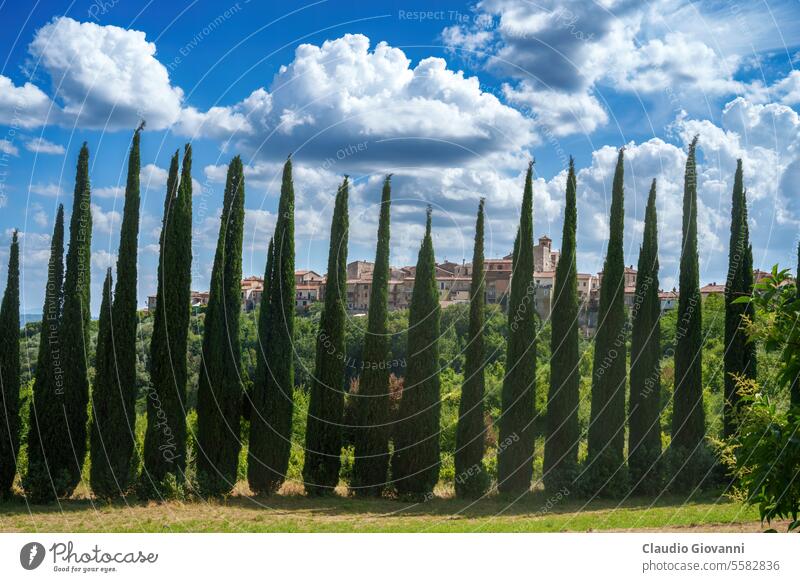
{"type": "Point", "coordinates": [536, 504]}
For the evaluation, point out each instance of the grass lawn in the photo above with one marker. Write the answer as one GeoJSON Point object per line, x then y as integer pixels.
{"type": "Point", "coordinates": [296, 513]}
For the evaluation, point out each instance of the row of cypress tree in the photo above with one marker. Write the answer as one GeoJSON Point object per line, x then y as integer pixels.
{"type": "Point", "coordinates": [648, 469]}
{"type": "Point", "coordinates": [404, 453]}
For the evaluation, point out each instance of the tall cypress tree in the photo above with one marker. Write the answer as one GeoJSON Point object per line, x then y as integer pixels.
{"type": "Point", "coordinates": [471, 478]}
{"type": "Point", "coordinates": [794, 389]}
{"type": "Point", "coordinates": [74, 329]}
{"type": "Point", "coordinates": [644, 437]}
{"type": "Point", "coordinates": [563, 431]}
{"type": "Point", "coordinates": [605, 473]}
{"type": "Point", "coordinates": [102, 475]}
{"type": "Point", "coordinates": [416, 459]}
{"type": "Point", "coordinates": [257, 395]}
{"type": "Point", "coordinates": [114, 393]}
{"type": "Point", "coordinates": [9, 373]}
{"type": "Point", "coordinates": [165, 438]}
{"type": "Point", "coordinates": [371, 463]}
{"type": "Point", "coordinates": [688, 415]}
{"type": "Point", "coordinates": [515, 447]}
{"type": "Point", "coordinates": [271, 425]}
{"type": "Point", "coordinates": [219, 393]}
{"type": "Point", "coordinates": [326, 405]}
{"type": "Point", "coordinates": [46, 478]}
{"type": "Point", "coordinates": [740, 356]}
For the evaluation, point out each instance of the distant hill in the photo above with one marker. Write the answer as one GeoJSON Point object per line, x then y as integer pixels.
{"type": "Point", "coordinates": [25, 318]}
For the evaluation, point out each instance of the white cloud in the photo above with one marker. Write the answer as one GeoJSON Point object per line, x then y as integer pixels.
{"type": "Point", "coordinates": [105, 222]}
{"type": "Point", "coordinates": [49, 189]}
{"type": "Point", "coordinates": [34, 252]}
{"type": "Point", "coordinates": [38, 214]}
{"type": "Point", "coordinates": [151, 176]}
{"type": "Point", "coordinates": [560, 113]}
{"type": "Point", "coordinates": [108, 191]}
{"type": "Point", "coordinates": [562, 53]}
{"type": "Point", "coordinates": [103, 260]}
{"type": "Point", "coordinates": [785, 91]}
{"type": "Point", "coordinates": [676, 62]}
{"type": "Point", "coordinates": [344, 103]}
{"type": "Point", "coordinates": [40, 145]}
{"type": "Point", "coordinates": [106, 77]}
{"type": "Point", "coordinates": [25, 106]}
{"type": "Point", "coordinates": [9, 148]}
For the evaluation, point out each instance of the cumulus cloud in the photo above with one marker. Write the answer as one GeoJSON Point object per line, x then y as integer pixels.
{"type": "Point", "coordinates": [105, 222]}
{"type": "Point", "coordinates": [152, 176]}
{"type": "Point", "coordinates": [25, 106]}
{"type": "Point", "coordinates": [6, 147]}
{"type": "Point", "coordinates": [103, 260]}
{"type": "Point", "coordinates": [344, 103]}
{"type": "Point", "coordinates": [563, 52]}
{"type": "Point", "coordinates": [50, 189]}
{"type": "Point", "coordinates": [38, 215]}
{"type": "Point", "coordinates": [104, 77]}
{"type": "Point", "coordinates": [560, 113]}
{"type": "Point", "coordinates": [785, 91]}
{"type": "Point", "coordinates": [108, 191]}
{"type": "Point", "coordinates": [40, 145]}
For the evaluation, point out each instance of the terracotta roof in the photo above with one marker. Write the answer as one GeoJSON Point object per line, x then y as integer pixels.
{"type": "Point", "coordinates": [712, 288]}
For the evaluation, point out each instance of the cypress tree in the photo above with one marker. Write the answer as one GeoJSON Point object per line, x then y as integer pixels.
{"type": "Point", "coordinates": [794, 389]}
{"type": "Point", "coordinates": [271, 427]}
{"type": "Point", "coordinates": [47, 423]}
{"type": "Point", "coordinates": [256, 473]}
{"type": "Point", "coordinates": [74, 329]}
{"type": "Point", "coordinates": [471, 478]}
{"type": "Point", "coordinates": [740, 357]}
{"type": "Point", "coordinates": [114, 393]}
{"type": "Point", "coordinates": [563, 431]}
{"type": "Point", "coordinates": [219, 393]}
{"type": "Point", "coordinates": [9, 373]}
{"type": "Point", "coordinates": [515, 447]}
{"type": "Point", "coordinates": [416, 459]}
{"type": "Point", "coordinates": [165, 438]}
{"type": "Point", "coordinates": [372, 404]}
{"type": "Point", "coordinates": [644, 437]}
{"type": "Point", "coordinates": [102, 476]}
{"type": "Point", "coordinates": [688, 416]}
{"type": "Point", "coordinates": [326, 405]}
{"type": "Point", "coordinates": [605, 472]}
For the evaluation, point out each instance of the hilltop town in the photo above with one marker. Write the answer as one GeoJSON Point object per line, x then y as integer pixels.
{"type": "Point", "coordinates": [453, 282]}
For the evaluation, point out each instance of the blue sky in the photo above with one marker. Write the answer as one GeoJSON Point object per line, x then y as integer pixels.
{"type": "Point", "coordinates": [453, 99]}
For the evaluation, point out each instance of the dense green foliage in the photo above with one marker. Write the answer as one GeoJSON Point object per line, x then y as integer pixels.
{"type": "Point", "coordinates": [323, 445]}
{"type": "Point", "coordinates": [165, 439]}
{"type": "Point", "coordinates": [740, 357]}
{"type": "Point", "coordinates": [47, 424]}
{"type": "Point", "coordinates": [415, 462]}
{"type": "Point", "coordinates": [114, 392]}
{"type": "Point", "coordinates": [456, 390]}
{"type": "Point", "coordinates": [9, 373]}
{"type": "Point", "coordinates": [563, 431]}
{"type": "Point", "coordinates": [515, 448]}
{"type": "Point", "coordinates": [372, 401]}
{"type": "Point", "coordinates": [688, 419]}
{"type": "Point", "coordinates": [105, 465]}
{"type": "Point", "coordinates": [74, 330]}
{"type": "Point", "coordinates": [764, 451]}
{"type": "Point", "coordinates": [644, 432]}
{"type": "Point", "coordinates": [271, 422]}
{"type": "Point", "coordinates": [471, 479]}
{"type": "Point", "coordinates": [219, 392]}
{"type": "Point", "coordinates": [605, 472]}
